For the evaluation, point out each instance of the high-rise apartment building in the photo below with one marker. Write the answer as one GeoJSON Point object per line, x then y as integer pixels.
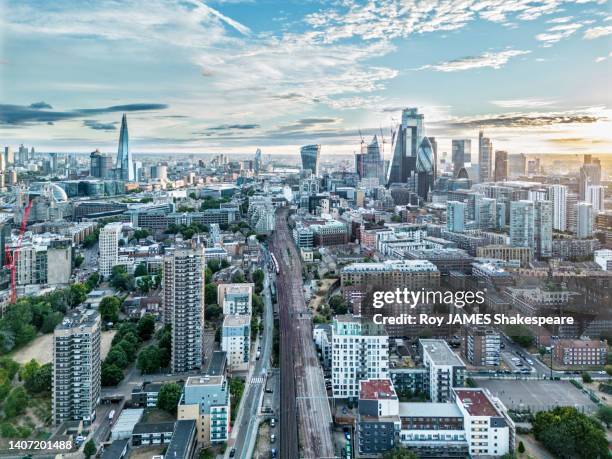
{"type": "Point", "coordinates": [446, 370]}
{"type": "Point", "coordinates": [501, 166]}
{"type": "Point", "coordinates": [125, 164]}
{"type": "Point", "coordinates": [485, 213]}
{"type": "Point", "coordinates": [235, 298]}
{"type": "Point", "coordinates": [455, 216]}
{"type": "Point", "coordinates": [76, 367]}
{"type": "Point", "coordinates": [590, 175]}
{"type": "Point", "coordinates": [595, 194]}
{"type": "Point", "coordinates": [183, 298]}
{"type": "Point", "coordinates": [360, 351]}
{"type": "Point", "coordinates": [522, 232]}
{"type": "Point", "coordinates": [543, 228]}
{"type": "Point", "coordinates": [584, 220]}
{"type": "Point", "coordinates": [236, 341]}
{"type": "Point", "coordinates": [311, 158]}
{"type": "Point", "coordinates": [3, 172]}
{"type": "Point", "coordinates": [461, 156]}
{"type": "Point", "coordinates": [572, 201]}
{"type": "Point", "coordinates": [483, 346]}
{"type": "Point", "coordinates": [108, 246]}
{"type": "Point", "coordinates": [485, 157]}
{"type": "Point", "coordinates": [558, 195]}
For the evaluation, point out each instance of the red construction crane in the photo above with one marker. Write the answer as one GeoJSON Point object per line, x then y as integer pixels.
{"type": "Point", "coordinates": [11, 257]}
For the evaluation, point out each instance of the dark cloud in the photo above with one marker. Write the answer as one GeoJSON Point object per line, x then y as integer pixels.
{"type": "Point", "coordinates": [226, 127]}
{"type": "Point", "coordinates": [98, 126]}
{"type": "Point", "coordinates": [576, 141]}
{"type": "Point", "coordinates": [37, 113]}
{"type": "Point", "coordinates": [40, 105]}
{"type": "Point", "coordinates": [312, 121]}
{"type": "Point", "coordinates": [524, 120]}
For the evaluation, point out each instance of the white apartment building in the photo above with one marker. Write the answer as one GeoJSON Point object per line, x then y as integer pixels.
{"type": "Point", "coordinates": [108, 245]}
{"type": "Point", "coordinates": [604, 259]}
{"type": "Point", "coordinates": [446, 369]}
{"type": "Point", "coordinates": [558, 195]}
{"type": "Point", "coordinates": [236, 341]}
{"type": "Point", "coordinates": [360, 350]}
{"type": "Point", "coordinates": [235, 298]}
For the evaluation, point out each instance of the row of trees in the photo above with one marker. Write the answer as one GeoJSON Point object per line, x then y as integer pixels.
{"type": "Point", "coordinates": [156, 356]}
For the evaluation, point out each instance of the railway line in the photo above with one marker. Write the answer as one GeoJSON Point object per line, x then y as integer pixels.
{"type": "Point", "coordinates": [305, 414]}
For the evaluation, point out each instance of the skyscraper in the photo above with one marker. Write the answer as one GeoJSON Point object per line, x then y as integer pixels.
{"type": "Point", "coordinates": [100, 164]}
{"type": "Point", "coordinates": [485, 157]}
{"type": "Point", "coordinates": [183, 297]}
{"type": "Point", "coordinates": [311, 155]}
{"type": "Point", "coordinates": [257, 165]}
{"type": "Point", "coordinates": [522, 224]}
{"type": "Point", "coordinates": [595, 194]}
{"type": "Point", "coordinates": [405, 143]}
{"type": "Point", "coordinates": [558, 195]}
{"type": "Point", "coordinates": [109, 247]}
{"type": "Point", "coordinates": [368, 163]}
{"type": "Point", "coordinates": [76, 367]}
{"type": "Point", "coordinates": [462, 155]}
{"type": "Point", "coordinates": [455, 216]}
{"type": "Point", "coordinates": [590, 175]}
{"type": "Point", "coordinates": [425, 166]}
{"type": "Point", "coordinates": [543, 226]}
{"type": "Point", "coordinates": [501, 166]}
{"type": "Point", "coordinates": [584, 220]}
{"type": "Point", "coordinates": [125, 164]}
{"type": "Point", "coordinates": [9, 157]}
{"type": "Point", "coordinates": [485, 213]}
{"type": "Point", "coordinates": [2, 171]}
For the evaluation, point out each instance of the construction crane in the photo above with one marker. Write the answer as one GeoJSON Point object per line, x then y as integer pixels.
{"type": "Point", "coordinates": [11, 257]}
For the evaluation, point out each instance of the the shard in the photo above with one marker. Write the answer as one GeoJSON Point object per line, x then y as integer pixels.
{"type": "Point", "coordinates": [125, 165]}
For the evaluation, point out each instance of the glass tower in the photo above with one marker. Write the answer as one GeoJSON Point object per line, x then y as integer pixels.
{"type": "Point", "coordinates": [311, 155]}
{"type": "Point", "coordinates": [125, 164]}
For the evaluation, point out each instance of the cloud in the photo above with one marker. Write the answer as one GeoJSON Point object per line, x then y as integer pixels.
{"type": "Point", "coordinates": [522, 103]}
{"type": "Point", "coordinates": [40, 105]}
{"type": "Point", "coordinates": [557, 33]}
{"type": "Point", "coordinates": [20, 114]}
{"type": "Point", "coordinates": [597, 32]}
{"type": "Point", "coordinates": [98, 126]}
{"type": "Point", "coordinates": [524, 120]}
{"type": "Point", "coordinates": [603, 58]}
{"type": "Point", "coordinates": [493, 60]}
{"type": "Point", "coordinates": [224, 127]}
{"type": "Point", "coordinates": [577, 141]}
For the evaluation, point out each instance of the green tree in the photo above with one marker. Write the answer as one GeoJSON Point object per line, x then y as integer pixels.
{"type": "Point", "coordinates": [116, 356]}
{"type": "Point", "coordinates": [92, 281]}
{"type": "Point", "coordinates": [608, 369]}
{"type": "Point", "coordinates": [78, 294]}
{"type": "Point", "coordinates": [338, 304]}
{"type": "Point", "coordinates": [146, 327]}
{"type": "Point", "coordinates": [90, 449]}
{"type": "Point", "coordinates": [399, 453]}
{"type": "Point", "coordinates": [141, 270]}
{"type": "Point", "coordinates": [120, 279]}
{"type": "Point", "coordinates": [129, 347]}
{"type": "Point", "coordinates": [521, 447]}
{"type": "Point", "coordinates": [168, 397]}
{"type": "Point", "coordinates": [78, 261]}
{"type": "Point", "coordinates": [210, 294]}
{"type": "Point", "coordinates": [238, 277]}
{"type": "Point", "coordinates": [40, 381]}
{"type": "Point", "coordinates": [109, 308]}
{"type": "Point", "coordinates": [214, 265]}
{"type": "Point", "coordinates": [141, 234]}
{"type": "Point", "coordinates": [604, 414]}
{"type": "Point", "coordinates": [10, 366]}
{"type": "Point", "coordinates": [586, 378]}
{"type": "Point", "coordinates": [148, 360]}
{"type": "Point", "coordinates": [213, 311]}
{"type": "Point", "coordinates": [16, 402]}
{"type": "Point", "coordinates": [520, 334]}
{"type": "Point", "coordinates": [111, 375]}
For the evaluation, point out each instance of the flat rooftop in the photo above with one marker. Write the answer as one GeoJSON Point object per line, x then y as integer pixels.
{"type": "Point", "coordinates": [476, 402]}
{"type": "Point", "coordinates": [235, 320]}
{"type": "Point", "coordinates": [440, 352]}
{"type": "Point", "coordinates": [376, 389]}
{"type": "Point", "coordinates": [429, 410]}
{"type": "Point", "coordinates": [204, 381]}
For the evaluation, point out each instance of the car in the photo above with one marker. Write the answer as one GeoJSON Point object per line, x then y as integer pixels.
{"type": "Point", "coordinates": [232, 452]}
{"type": "Point", "coordinates": [530, 362]}
{"type": "Point", "coordinates": [272, 422]}
{"type": "Point", "coordinates": [347, 436]}
{"type": "Point", "coordinates": [272, 453]}
{"type": "Point", "coordinates": [272, 438]}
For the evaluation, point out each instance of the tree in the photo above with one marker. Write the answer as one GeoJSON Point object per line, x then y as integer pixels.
{"type": "Point", "coordinates": [92, 281]}
{"type": "Point", "coordinates": [586, 378]}
{"type": "Point", "coordinates": [141, 234]}
{"type": "Point", "coordinates": [608, 369]}
{"type": "Point", "coordinates": [520, 334]}
{"type": "Point", "coordinates": [214, 265]}
{"type": "Point", "coordinates": [78, 261]}
{"type": "Point", "coordinates": [213, 311]}
{"type": "Point", "coordinates": [141, 270]}
{"type": "Point", "coordinates": [120, 278]}
{"type": "Point", "coordinates": [604, 414]}
{"type": "Point", "coordinates": [90, 449]}
{"type": "Point", "coordinates": [28, 369]}
{"type": "Point", "coordinates": [78, 294]}
{"type": "Point", "coordinates": [40, 381]}
{"type": "Point", "coordinates": [109, 309]}
{"type": "Point", "coordinates": [399, 453]}
{"type": "Point", "coordinates": [338, 304]}
{"type": "Point", "coordinates": [148, 360]}
{"type": "Point", "coordinates": [521, 447]}
{"type": "Point", "coordinates": [238, 277]}
{"type": "Point", "coordinates": [146, 327]}
{"type": "Point", "coordinates": [116, 356]}
{"type": "Point", "coordinates": [210, 294]}
{"type": "Point", "coordinates": [16, 402]}
{"type": "Point", "coordinates": [111, 375]}
{"type": "Point", "coordinates": [168, 397]}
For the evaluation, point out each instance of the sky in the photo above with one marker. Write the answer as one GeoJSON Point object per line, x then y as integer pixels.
{"type": "Point", "coordinates": [232, 76]}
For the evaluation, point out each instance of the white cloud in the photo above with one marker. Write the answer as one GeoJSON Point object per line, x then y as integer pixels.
{"type": "Point", "coordinates": [523, 103]}
{"type": "Point", "coordinates": [603, 58]}
{"type": "Point", "coordinates": [558, 33]}
{"type": "Point", "coordinates": [493, 60]}
{"type": "Point", "coordinates": [597, 32]}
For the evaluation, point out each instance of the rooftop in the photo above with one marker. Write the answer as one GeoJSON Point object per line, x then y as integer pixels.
{"type": "Point", "coordinates": [476, 402]}
{"type": "Point", "coordinates": [184, 430]}
{"type": "Point", "coordinates": [440, 353]}
{"type": "Point", "coordinates": [427, 409]}
{"type": "Point", "coordinates": [376, 389]}
{"type": "Point", "coordinates": [204, 381]}
{"type": "Point", "coordinates": [234, 320]}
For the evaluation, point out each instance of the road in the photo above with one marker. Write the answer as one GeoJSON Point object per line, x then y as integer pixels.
{"type": "Point", "coordinates": [305, 412]}
{"type": "Point", "coordinates": [247, 421]}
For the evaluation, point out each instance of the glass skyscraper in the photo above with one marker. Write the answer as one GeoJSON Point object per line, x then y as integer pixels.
{"type": "Point", "coordinates": [462, 156]}
{"type": "Point", "coordinates": [406, 140]}
{"type": "Point", "coordinates": [125, 165]}
{"type": "Point", "coordinates": [311, 155]}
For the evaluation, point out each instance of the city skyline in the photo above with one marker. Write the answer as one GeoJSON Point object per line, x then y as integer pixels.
{"type": "Point", "coordinates": [233, 76]}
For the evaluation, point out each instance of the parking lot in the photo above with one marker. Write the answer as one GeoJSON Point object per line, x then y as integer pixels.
{"type": "Point", "coordinates": [538, 395]}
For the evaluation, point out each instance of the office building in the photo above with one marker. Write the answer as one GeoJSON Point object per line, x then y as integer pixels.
{"type": "Point", "coordinates": [501, 166]}
{"type": "Point", "coordinates": [485, 158]}
{"type": "Point", "coordinates": [446, 370]}
{"type": "Point", "coordinates": [580, 352]}
{"type": "Point", "coordinates": [369, 163]}
{"type": "Point", "coordinates": [543, 228]}
{"type": "Point", "coordinates": [523, 255]}
{"type": "Point", "coordinates": [584, 220]}
{"type": "Point", "coordinates": [462, 156]}
{"type": "Point", "coordinates": [360, 351]}
{"type": "Point", "coordinates": [100, 165]}
{"type": "Point", "coordinates": [406, 142]}
{"type": "Point", "coordinates": [206, 399]}
{"type": "Point", "coordinates": [595, 195]}
{"type": "Point", "coordinates": [378, 417]}
{"type": "Point", "coordinates": [76, 367]}
{"type": "Point", "coordinates": [590, 175]}
{"type": "Point", "coordinates": [483, 346]}
{"type": "Point", "coordinates": [311, 157]}
{"type": "Point", "coordinates": [108, 245]}
{"type": "Point", "coordinates": [558, 195]}
{"type": "Point", "coordinates": [517, 165]}
{"type": "Point", "coordinates": [455, 216]}
{"type": "Point", "coordinates": [522, 220]}
{"type": "Point", "coordinates": [485, 213]}
{"type": "Point", "coordinates": [125, 164]}
{"type": "Point", "coordinates": [183, 306]}
{"type": "Point", "coordinates": [257, 164]}
{"type": "Point", "coordinates": [3, 172]}
{"type": "Point", "coordinates": [236, 341]}
{"type": "Point", "coordinates": [235, 298]}
{"type": "Point", "coordinates": [572, 217]}
{"type": "Point", "coordinates": [425, 168]}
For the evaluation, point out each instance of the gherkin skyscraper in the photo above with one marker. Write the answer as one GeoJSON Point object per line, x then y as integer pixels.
{"type": "Point", "coordinates": [125, 165]}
